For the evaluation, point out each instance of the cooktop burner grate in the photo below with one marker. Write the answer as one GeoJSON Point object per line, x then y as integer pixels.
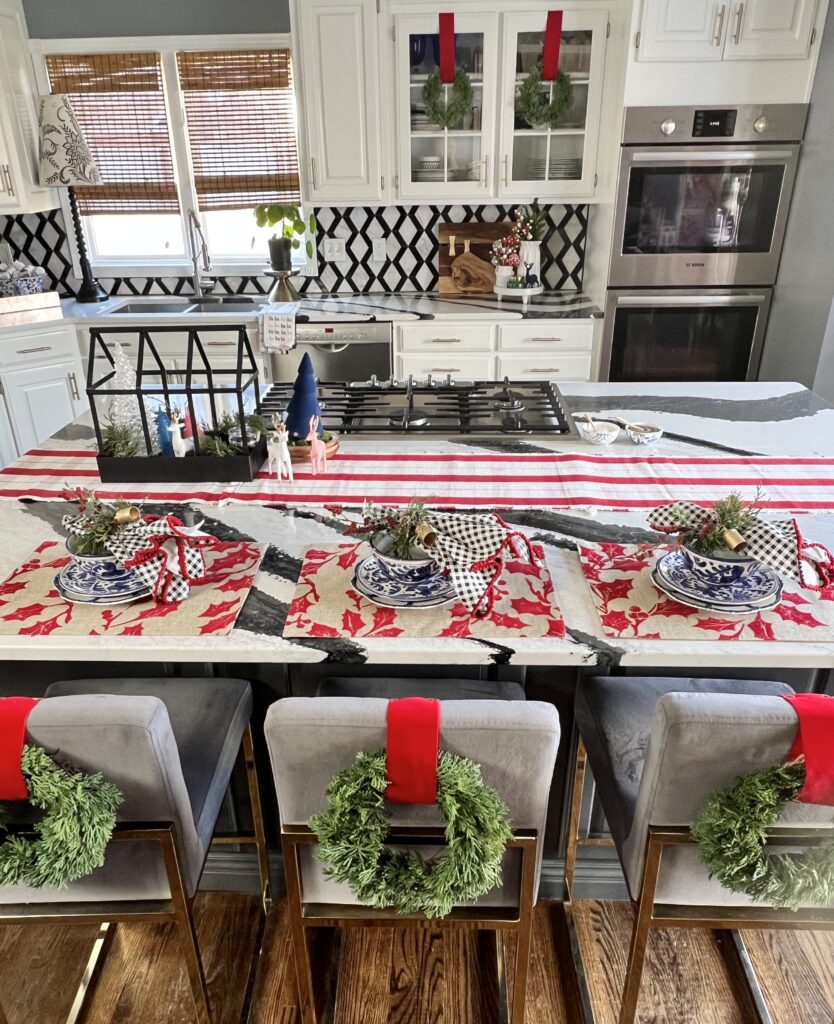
{"type": "Point", "coordinates": [462, 407]}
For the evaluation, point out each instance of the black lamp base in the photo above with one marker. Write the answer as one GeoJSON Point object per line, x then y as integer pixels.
{"type": "Point", "coordinates": [90, 290]}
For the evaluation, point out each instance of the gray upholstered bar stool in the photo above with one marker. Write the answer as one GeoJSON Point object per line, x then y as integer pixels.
{"type": "Point", "coordinates": [311, 739]}
{"type": "Point", "coordinates": [170, 747]}
{"type": "Point", "coordinates": [658, 747]}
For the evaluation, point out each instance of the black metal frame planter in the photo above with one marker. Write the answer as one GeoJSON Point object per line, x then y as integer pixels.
{"type": "Point", "coordinates": [200, 381]}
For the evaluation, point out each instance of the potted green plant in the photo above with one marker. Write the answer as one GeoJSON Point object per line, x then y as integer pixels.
{"type": "Point", "coordinates": [291, 230]}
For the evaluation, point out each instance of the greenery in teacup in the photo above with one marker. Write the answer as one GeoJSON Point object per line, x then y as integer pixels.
{"type": "Point", "coordinates": [291, 223]}
{"type": "Point", "coordinates": [99, 520]}
{"type": "Point", "coordinates": [730, 513]}
{"type": "Point", "coordinates": [401, 524]}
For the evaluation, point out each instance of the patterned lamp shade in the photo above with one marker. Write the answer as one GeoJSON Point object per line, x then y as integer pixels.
{"type": "Point", "coordinates": [65, 157]}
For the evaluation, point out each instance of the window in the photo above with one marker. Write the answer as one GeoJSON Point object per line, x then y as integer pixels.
{"type": "Point", "coordinates": [209, 130]}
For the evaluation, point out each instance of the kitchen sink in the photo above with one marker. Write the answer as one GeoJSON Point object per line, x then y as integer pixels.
{"type": "Point", "coordinates": [167, 306]}
{"type": "Point", "coordinates": [236, 303]}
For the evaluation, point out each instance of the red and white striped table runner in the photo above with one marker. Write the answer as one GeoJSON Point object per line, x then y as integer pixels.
{"type": "Point", "coordinates": [486, 480]}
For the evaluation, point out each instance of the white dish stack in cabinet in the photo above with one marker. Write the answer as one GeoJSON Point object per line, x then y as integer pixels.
{"type": "Point", "coordinates": [42, 386]}
{"type": "Point", "coordinates": [714, 30]}
{"type": "Point", "coordinates": [19, 191]}
{"type": "Point", "coordinates": [558, 350]}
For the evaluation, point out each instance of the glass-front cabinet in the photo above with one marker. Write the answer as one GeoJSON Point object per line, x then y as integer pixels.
{"type": "Point", "coordinates": [540, 154]}
{"type": "Point", "coordinates": [438, 162]}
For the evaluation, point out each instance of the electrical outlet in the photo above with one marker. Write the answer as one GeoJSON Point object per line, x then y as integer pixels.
{"type": "Point", "coordinates": [380, 250]}
{"type": "Point", "coordinates": [334, 250]}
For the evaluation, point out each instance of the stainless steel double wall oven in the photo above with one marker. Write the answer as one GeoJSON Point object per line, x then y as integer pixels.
{"type": "Point", "coordinates": [702, 204]}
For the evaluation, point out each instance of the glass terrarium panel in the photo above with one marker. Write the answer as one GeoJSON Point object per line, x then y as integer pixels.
{"type": "Point", "coordinates": [424, 52]}
{"type": "Point", "coordinates": [464, 160]}
{"type": "Point", "coordinates": [574, 53]}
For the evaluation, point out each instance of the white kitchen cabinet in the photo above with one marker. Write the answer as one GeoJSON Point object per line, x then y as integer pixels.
{"type": "Point", "coordinates": [446, 336]}
{"type": "Point", "coordinates": [558, 160]}
{"type": "Point", "coordinates": [545, 366]}
{"type": "Point", "coordinates": [336, 55]}
{"type": "Point", "coordinates": [19, 191]}
{"type": "Point", "coordinates": [8, 448]}
{"type": "Point", "coordinates": [468, 366]}
{"type": "Point", "coordinates": [770, 29]}
{"type": "Point", "coordinates": [441, 163]}
{"type": "Point", "coordinates": [42, 399]}
{"type": "Point", "coordinates": [701, 30]}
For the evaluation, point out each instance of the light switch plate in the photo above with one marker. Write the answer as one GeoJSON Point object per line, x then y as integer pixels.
{"type": "Point", "coordinates": [380, 250]}
{"type": "Point", "coordinates": [334, 250]}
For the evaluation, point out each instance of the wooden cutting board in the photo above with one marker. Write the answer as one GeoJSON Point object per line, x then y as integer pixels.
{"type": "Point", "coordinates": [472, 272]}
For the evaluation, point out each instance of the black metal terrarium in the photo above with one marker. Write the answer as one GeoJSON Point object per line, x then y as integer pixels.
{"type": "Point", "coordinates": [188, 417]}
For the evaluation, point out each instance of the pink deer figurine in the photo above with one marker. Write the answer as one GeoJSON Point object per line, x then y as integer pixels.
{"type": "Point", "coordinates": [318, 449]}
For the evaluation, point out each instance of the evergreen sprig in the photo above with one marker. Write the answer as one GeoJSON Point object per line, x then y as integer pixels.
{"type": "Point", "coordinates": [352, 835]}
{"type": "Point", "coordinates": [399, 523]}
{"type": "Point", "coordinates": [730, 513]}
{"type": "Point", "coordinates": [98, 522]}
{"type": "Point", "coordinates": [731, 831]}
{"type": "Point", "coordinates": [74, 832]}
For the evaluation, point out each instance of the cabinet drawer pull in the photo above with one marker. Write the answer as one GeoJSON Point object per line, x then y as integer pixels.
{"type": "Point", "coordinates": [543, 339]}
{"type": "Point", "coordinates": [737, 30]}
{"type": "Point", "coordinates": [220, 344]}
{"type": "Point", "coordinates": [445, 341]}
{"type": "Point", "coordinates": [543, 369]}
{"type": "Point", "coordinates": [31, 351]}
{"type": "Point", "coordinates": [719, 26]}
{"type": "Point", "coordinates": [445, 369]}
{"type": "Point", "coordinates": [74, 387]}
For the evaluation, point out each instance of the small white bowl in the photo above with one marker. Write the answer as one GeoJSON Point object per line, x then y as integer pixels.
{"type": "Point", "coordinates": [597, 432]}
{"type": "Point", "coordinates": [644, 433]}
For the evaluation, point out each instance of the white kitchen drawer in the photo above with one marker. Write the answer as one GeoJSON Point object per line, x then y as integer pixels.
{"type": "Point", "coordinates": [438, 336]}
{"type": "Point", "coordinates": [48, 345]}
{"type": "Point", "coordinates": [546, 366]}
{"type": "Point", "coordinates": [545, 335]}
{"type": "Point", "coordinates": [440, 364]}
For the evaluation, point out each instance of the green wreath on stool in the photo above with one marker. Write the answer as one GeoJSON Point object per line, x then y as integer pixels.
{"type": "Point", "coordinates": [447, 112]}
{"type": "Point", "coordinates": [353, 830]}
{"type": "Point", "coordinates": [731, 831]}
{"type": "Point", "coordinates": [531, 104]}
{"type": "Point", "coordinates": [80, 815]}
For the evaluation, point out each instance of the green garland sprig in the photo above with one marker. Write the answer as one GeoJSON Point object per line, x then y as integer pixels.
{"type": "Point", "coordinates": [74, 832]}
{"type": "Point", "coordinates": [731, 831]}
{"type": "Point", "coordinates": [538, 111]}
{"type": "Point", "coordinates": [447, 111]}
{"type": "Point", "coordinates": [353, 830]}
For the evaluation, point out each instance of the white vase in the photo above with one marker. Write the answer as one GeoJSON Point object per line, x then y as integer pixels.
{"type": "Point", "coordinates": [502, 275]}
{"type": "Point", "coordinates": [530, 252]}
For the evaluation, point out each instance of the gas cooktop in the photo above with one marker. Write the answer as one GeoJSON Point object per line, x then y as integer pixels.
{"type": "Point", "coordinates": [429, 406]}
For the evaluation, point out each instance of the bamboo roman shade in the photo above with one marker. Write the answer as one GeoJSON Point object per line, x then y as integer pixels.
{"type": "Point", "coordinates": [119, 103]}
{"type": "Point", "coordinates": [240, 113]}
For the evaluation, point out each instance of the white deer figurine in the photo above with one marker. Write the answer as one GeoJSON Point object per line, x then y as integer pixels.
{"type": "Point", "coordinates": [278, 452]}
{"type": "Point", "coordinates": [318, 449]}
{"type": "Point", "coordinates": [178, 442]}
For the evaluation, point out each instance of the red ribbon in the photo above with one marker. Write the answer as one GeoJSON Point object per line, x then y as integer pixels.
{"type": "Point", "coordinates": [446, 29]}
{"type": "Point", "coordinates": [815, 741]}
{"type": "Point", "coordinates": [13, 714]}
{"type": "Point", "coordinates": [411, 752]}
{"type": "Point", "coordinates": [552, 45]}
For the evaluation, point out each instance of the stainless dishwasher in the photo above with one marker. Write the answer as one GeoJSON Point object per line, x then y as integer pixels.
{"type": "Point", "coordinates": [340, 352]}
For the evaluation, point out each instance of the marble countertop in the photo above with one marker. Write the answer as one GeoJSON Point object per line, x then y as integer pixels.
{"type": "Point", "coordinates": [765, 418]}
{"type": "Point", "coordinates": [400, 307]}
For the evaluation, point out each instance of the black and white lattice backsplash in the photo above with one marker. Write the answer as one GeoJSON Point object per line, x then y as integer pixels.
{"type": "Point", "coordinates": [411, 243]}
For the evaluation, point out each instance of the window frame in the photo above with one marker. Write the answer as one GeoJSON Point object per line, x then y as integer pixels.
{"type": "Point", "coordinates": [167, 48]}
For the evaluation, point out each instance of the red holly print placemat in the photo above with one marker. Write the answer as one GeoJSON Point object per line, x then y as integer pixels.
{"type": "Point", "coordinates": [630, 605]}
{"type": "Point", "coordinates": [325, 604]}
{"type": "Point", "coordinates": [30, 604]}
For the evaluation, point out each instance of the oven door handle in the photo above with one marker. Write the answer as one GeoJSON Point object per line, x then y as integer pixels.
{"type": "Point", "coordinates": [711, 156]}
{"type": "Point", "coordinates": [690, 300]}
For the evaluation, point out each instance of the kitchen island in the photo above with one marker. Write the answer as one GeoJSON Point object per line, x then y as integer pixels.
{"type": "Point", "coordinates": [726, 423]}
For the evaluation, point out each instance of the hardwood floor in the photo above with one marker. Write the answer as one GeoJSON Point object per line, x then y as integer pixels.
{"type": "Point", "coordinates": [408, 977]}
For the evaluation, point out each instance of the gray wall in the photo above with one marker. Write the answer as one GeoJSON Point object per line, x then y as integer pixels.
{"type": "Point", "coordinates": [803, 296]}
{"type": "Point", "coordinates": [81, 19]}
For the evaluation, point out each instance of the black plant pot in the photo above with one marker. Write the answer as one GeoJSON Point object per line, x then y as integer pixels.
{"type": "Point", "coordinates": [280, 253]}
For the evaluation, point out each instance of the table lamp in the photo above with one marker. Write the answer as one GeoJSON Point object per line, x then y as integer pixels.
{"type": "Point", "coordinates": [66, 161]}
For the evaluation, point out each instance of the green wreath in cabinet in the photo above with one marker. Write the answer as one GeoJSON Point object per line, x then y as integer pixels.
{"type": "Point", "coordinates": [533, 104]}
{"type": "Point", "coordinates": [448, 110]}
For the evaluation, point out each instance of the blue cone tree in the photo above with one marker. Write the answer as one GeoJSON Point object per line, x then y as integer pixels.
{"type": "Point", "coordinates": [304, 403]}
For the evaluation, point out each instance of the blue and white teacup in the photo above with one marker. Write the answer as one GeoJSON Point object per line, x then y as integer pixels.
{"type": "Point", "coordinates": [420, 566]}
{"type": "Point", "coordinates": [719, 569]}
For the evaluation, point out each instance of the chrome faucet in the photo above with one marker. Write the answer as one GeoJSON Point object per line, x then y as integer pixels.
{"type": "Point", "coordinates": [200, 259]}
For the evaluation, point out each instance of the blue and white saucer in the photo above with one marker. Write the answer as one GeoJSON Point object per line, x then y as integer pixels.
{"type": "Point", "coordinates": [373, 580]}
{"type": "Point", "coordinates": [104, 582]}
{"type": "Point", "coordinates": [757, 591]}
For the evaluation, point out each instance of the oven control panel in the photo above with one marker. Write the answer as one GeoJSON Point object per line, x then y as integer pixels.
{"type": "Point", "coordinates": [714, 124]}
